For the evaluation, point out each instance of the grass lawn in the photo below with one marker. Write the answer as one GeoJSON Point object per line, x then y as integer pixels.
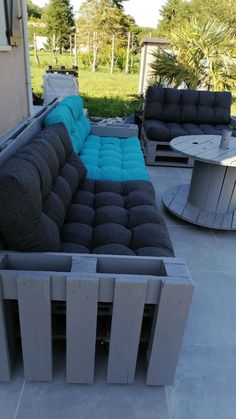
{"type": "Point", "coordinates": [104, 94]}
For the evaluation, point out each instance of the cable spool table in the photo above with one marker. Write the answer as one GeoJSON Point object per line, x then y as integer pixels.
{"type": "Point", "coordinates": [210, 199]}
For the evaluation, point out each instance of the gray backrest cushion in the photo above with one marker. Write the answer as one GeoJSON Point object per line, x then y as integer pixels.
{"type": "Point", "coordinates": [36, 188]}
{"type": "Point", "coordinates": [183, 106]}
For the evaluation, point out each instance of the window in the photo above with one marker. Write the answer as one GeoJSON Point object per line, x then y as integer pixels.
{"type": "Point", "coordinates": [10, 24]}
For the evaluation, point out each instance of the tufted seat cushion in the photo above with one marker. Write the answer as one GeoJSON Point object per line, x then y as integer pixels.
{"type": "Point", "coordinates": [104, 157]}
{"type": "Point", "coordinates": [36, 189]}
{"type": "Point", "coordinates": [169, 113]}
{"type": "Point", "coordinates": [166, 131]}
{"type": "Point", "coordinates": [115, 218]}
{"type": "Point", "coordinates": [113, 158]}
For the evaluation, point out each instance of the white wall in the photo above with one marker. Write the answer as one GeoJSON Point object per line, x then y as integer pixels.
{"type": "Point", "coordinates": [13, 88]}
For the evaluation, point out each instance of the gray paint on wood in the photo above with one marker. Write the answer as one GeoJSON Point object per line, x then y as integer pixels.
{"type": "Point", "coordinates": [210, 199]}
{"type": "Point", "coordinates": [198, 217]}
{"type": "Point", "coordinates": [156, 155]}
{"type": "Point", "coordinates": [34, 298]}
{"type": "Point", "coordinates": [168, 330]}
{"type": "Point", "coordinates": [5, 365]}
{"type": "Point", "coordinates": [129, 292]}
{"type": "Point", "coordinates": [206, 148]}
{"type": "Point", "coordinates": [81, 324]}
{"type": "Point", "coordinates": [127, 316]}
{"type": "Point", "coordinates": [81, 264]}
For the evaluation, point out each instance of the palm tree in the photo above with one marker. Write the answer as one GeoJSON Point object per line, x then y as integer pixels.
{"type": "Point", "coordinates": [204, 55]}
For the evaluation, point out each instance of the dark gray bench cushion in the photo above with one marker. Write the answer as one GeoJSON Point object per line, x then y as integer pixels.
{"type": "Point", "coordinates": [166, 131]}
{"type": "Point", "coordinates": [36, 189]}
{"type": "Point", "coordinates": [169, 113]}
{"type": "Point", "coordinates": [47, 205]}
{"type": "Point", "coordinates": [119, 218]}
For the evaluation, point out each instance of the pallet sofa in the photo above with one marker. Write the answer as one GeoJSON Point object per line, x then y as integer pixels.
{"type": "Point", "coordinates": [95, 251]}
{"type": "Point", "coordinates": [170, 113]}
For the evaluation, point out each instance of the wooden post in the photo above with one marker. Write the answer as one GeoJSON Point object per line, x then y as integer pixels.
{"type": "Point", "coordinates": [70, 45]}
{"type": "Point", "coordinates": [112, 53]}
{"type": "Point", "coordinates": [54, 49]}
{"type": "Point", "coordinates": [36, 58]}
{"type": "Point", "coordinates": [95, 49]}
{"type": "Point", "coordinates": [132, 52]}
{"type": "Point", "coordinates": [127, 54]}
{"type": "Point", "coordinates": [75, 50]}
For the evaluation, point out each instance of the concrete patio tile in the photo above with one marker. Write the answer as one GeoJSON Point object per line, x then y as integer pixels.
{"type": "Point", "coordinates": [200, 249]}
{"type": "Point", "coordinates": [212, 317]}
{"type": "Point", "coordinates": [161, 183]}
{"type": "Point", "coordinates": [58, 400]}
{"type": "Point", "coordinates": [227, 241]}
{"type": "Point", "coordinates": [10, 395]}
{"type": "Point", "coordinates": [163, 171]}
{"type": "Point", "coordinates": [205, 384]}
{"type": "Point", "coordinates": [185, 174]}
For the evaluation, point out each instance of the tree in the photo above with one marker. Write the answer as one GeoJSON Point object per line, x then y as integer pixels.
{"type": "Point", "coordinates": [175, 11]}
{"type": "Point", "coordinates": [59, 20]}
{"type": "Point", "coordinates": [33, 10]}
{"type": "Point", "coordinates": [99, 23]}
{"type": "Point", "coordinates": [203, 56]}
{"type": "Point", "coordinates": [118, 3]}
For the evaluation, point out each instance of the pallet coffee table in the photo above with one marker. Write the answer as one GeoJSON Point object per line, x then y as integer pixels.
{"type": "Point", "coordinates": [210, 199]}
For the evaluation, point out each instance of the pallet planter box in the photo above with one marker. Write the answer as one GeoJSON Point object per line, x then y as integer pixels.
{"type": "Point", "coordinates": [129, 286]}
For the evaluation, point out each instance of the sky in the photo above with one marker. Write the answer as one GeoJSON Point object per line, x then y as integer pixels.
{"type": "Point", "coordinates": [145, 12]}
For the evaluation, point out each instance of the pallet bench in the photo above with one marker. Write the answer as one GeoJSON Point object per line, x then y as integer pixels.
{"type": "Point", "coordinates": [131, 287]}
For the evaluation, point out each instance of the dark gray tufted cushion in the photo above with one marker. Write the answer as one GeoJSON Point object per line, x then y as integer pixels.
{"type": "Point", "coordinates": [187, 106]}
{"type": "Point", "coordinates": [36, 188]}
{"type": "Point", "coordinates": [112, 217]}
{"type": "Point", "coordinates": [166, 131]}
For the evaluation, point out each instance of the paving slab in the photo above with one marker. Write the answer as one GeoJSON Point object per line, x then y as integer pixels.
{"type": "Point", "coordinates": [10, 395]}
{"type": "Point", "coordinates": [164, 171]}
{"type": "Point", "coordinates": [58, 400]}
{"type": "Point", "coordinates": [212, 317]}
{"type": "Point", "coordinates": [205, 385]}
{"type": "Point", "coordinates": [200, 249]}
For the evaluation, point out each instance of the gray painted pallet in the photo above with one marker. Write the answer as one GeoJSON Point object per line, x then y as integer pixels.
{"type": "Point", "coordinates": [128, 284]}
{"type": "Point", "coordinates": [159, 153]}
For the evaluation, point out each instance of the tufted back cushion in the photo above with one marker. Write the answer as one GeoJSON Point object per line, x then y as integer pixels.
{"type": "Point", "coordinates": [183, 106]}
{"type": "Point", "coordinates": [36, 188]}
{"type": "Point", "coordinates": [70, 112]}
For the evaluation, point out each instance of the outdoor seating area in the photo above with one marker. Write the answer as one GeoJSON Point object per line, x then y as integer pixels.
{"type": "Point", "coordinates": [171, 113]}
{"type": "Point", "coordinates": [51, 201]}
{"type": "Point", "coordinates": [117, 209]}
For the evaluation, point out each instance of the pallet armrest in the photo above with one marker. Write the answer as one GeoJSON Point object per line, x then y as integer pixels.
{"type": "Point", "coordinates": [127, 284]}
{"type": "Point", "coordinates": [114, 130]}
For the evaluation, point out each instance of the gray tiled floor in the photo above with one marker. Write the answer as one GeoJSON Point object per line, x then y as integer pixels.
{"type": "Point", "coordinates": [205, 382]}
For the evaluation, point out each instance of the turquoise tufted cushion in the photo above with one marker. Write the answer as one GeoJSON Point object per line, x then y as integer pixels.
{"type": "Point", "coordinates": [113, 158]}
{"type": "Point", "coordinates": [107, 158]}
{"type": "Point", "coordinates": [70, 112]}
{"type": "Point", "coordinates": [63, 115]}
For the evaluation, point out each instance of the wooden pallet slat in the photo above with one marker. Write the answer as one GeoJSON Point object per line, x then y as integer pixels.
{"type": "Point", "coordinates": [34, 298]}
{"type": "Point", "coordinates": [81, 324]}
{"type": "Point", "coordinates": [167, 331]}
{"type": "Point", "coordinates": [5, 364]}
{"type": "Point", "coordinates": [129, 299]}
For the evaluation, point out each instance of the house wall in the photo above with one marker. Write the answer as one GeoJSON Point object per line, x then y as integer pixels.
{"type": "Point", "coordinates": [13, 90]}
{"type": "Point", "coordinates": [13, 87]}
